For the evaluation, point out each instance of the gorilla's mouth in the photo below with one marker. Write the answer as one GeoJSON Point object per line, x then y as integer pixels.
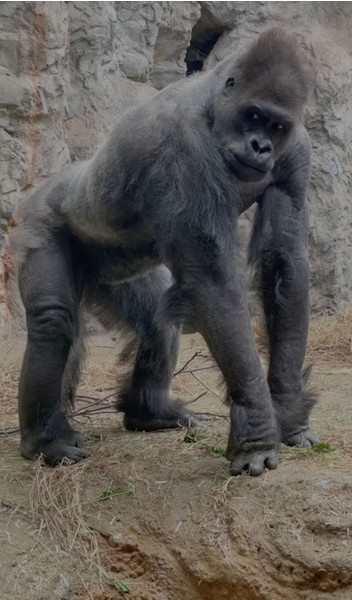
{"type": "Point", "coordinates": [243, 170]}
{"type": "Point", "coordinates": [247, 166]}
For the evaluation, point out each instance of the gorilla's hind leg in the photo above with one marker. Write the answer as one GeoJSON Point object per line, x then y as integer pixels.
{"type": "Point", "coordinates": [144, 396]}
{"type": "Point", "coordinates": [49, 292]}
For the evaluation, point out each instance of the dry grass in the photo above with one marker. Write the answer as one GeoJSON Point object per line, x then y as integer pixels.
{"type": "Point", "coordinates": [330, 340]}
{"type": "Point", "coordinates": [55, 499]}
{"type": "Point", "coordinates": [56, 505]}
{"type": "Point", "coordinates": [9, 374]}
{"type": "Point", "coordinates": [59, 507]}
{"type": "Point", "coordinates": [64, 502]}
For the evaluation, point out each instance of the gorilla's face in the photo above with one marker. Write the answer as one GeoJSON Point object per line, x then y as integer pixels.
{"type": "Point", "coordinates": [252, 136]}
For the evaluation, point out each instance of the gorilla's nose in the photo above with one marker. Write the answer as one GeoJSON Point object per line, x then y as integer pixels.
{"type": "Point", "coordinates": [260, 149]}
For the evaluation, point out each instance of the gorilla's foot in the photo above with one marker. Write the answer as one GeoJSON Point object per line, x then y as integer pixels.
{"type": "Point", "coordinates": [251, 457]}
{"type": "Point", "coordinates": [150, 410]}
{"type": "Point", "coordinates": [167, 420]}
{"type": "Point", "coordinates": [305, 438]}
{"type": "Point", "coordinates": [253, 439]}
{"type": "Point", "coordinates": [69, 446]}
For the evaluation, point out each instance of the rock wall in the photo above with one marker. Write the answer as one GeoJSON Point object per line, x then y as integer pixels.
{"type": "Point", "coordinates": [68, 71]}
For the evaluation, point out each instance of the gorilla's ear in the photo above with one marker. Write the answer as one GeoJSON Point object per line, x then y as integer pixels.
{"type": "Point", "coordinates": [230, 83]}
{"type": "Point", "coordinates": [229, 86]}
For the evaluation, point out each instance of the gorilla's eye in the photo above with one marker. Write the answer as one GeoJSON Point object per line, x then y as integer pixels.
{"type": "Point", "coordinates": [279, 127]}
{"type": "Point", "coordinates": [254, 117]}
{"type": "Point", "coordinates": [230, 83]}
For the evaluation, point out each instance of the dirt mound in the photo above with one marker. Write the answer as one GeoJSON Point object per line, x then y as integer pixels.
{"type": "Point", "coordinates": [156, 517]}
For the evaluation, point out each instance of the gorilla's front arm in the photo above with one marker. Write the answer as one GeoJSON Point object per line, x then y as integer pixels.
{"type": "Point", "coordinates": [279, 246]}
{"type": "Point", "coordinates": [211, 292]}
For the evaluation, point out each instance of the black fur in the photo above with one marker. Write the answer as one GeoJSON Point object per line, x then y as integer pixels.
{"type": "Point", "coordinates": [145, 235]}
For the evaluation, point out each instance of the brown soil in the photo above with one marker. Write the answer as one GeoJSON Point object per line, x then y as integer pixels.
{"type": "Point", "coordinates": [173, 525]}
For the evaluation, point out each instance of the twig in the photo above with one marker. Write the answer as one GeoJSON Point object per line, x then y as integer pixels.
{"type": "Point", "coordinates": [205, 386]}
{"type": "Point", "coordinates": [217, 415]}
{"type": "Point", "coordinates": [9, 430]}
{"type": "Point", "coordinates": [94, 399]}
{"type": "Point", "coordinates": [195, 355]}
{"type": "Point", "coordinates": [190, 371]}
{"type": "Point", "coordinates": [87, 413]}
{"type": "Point", "coordinates": [195, 399]}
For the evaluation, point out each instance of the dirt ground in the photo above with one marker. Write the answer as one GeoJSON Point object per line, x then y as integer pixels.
{"type": "Point", "coordinates": [156, 517]}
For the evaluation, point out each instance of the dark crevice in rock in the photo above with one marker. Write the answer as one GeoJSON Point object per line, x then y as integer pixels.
{"type": "Point", "coordinates": [205, 34]}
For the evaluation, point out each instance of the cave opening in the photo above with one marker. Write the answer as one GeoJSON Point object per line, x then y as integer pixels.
{"type": "Point", "coordinates": [205, 34]}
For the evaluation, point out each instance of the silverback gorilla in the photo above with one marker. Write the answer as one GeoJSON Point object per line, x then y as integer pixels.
{"type": "Point", "coordinates": [145, 232]}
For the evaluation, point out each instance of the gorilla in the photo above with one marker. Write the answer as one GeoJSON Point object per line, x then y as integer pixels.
{"type": "Point", "coordinates": [145, 235]}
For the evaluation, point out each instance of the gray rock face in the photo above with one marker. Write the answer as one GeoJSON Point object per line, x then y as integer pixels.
{"type": "Point", "coordinates": [68, 71]}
